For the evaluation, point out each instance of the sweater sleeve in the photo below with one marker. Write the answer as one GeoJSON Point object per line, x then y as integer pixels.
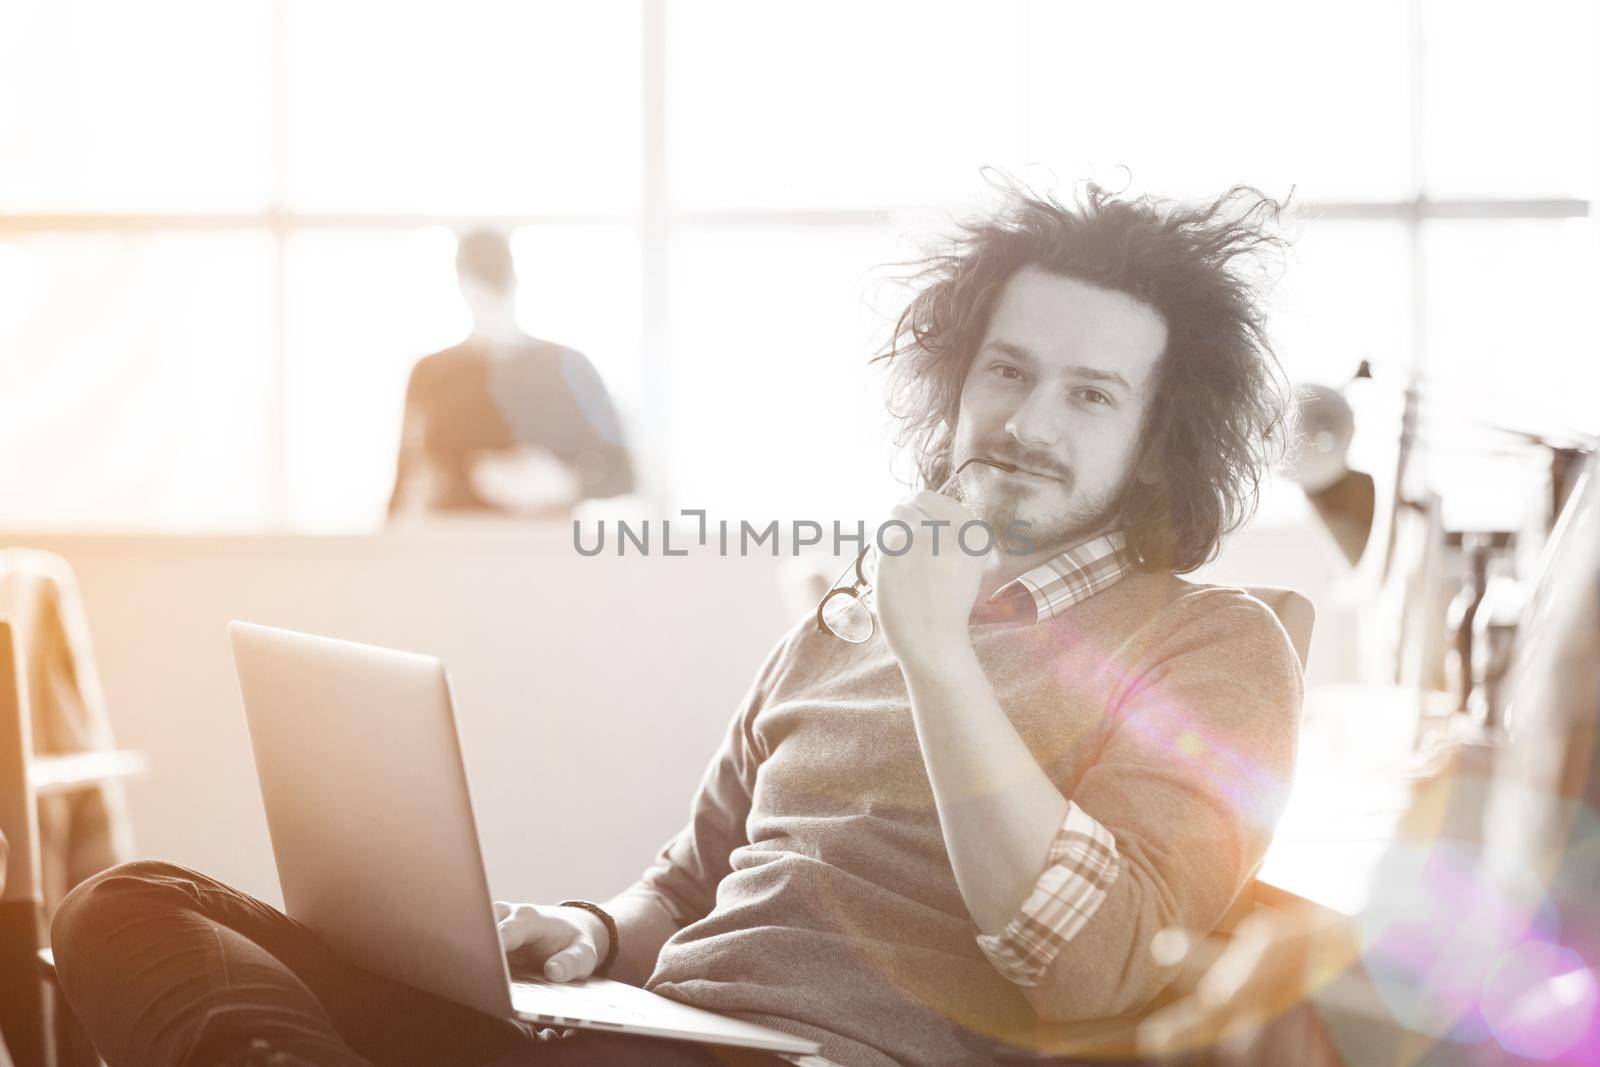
{"type": "Point", "coordinates": [1081, 865]}
{"type": "Point", "coordinates": [687, 870]}
{"type": "Point", "coordinates": [1188, 787]}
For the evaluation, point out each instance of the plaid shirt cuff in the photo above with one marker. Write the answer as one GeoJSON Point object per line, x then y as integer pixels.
{"type": "Point", "coordinates": [1082, 865]}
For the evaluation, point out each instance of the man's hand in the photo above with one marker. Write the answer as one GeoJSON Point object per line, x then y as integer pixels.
{"type": "Point", "coordinates": [567, 942]}
{"type": "Point", "coordinates": [925, 596]}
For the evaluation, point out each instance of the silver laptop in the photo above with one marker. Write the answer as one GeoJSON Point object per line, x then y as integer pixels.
{"type": "Point", "coordinates": [376, 846]}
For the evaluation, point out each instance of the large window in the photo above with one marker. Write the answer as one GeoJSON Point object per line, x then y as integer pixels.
{"type": "Point", "coordinates": [226, 230]}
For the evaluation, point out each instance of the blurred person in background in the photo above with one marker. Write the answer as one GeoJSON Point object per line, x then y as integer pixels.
{"type": "Point", "coordinates": [1344, 498]}
{"type": "Point", "coordinates": [504, 422]}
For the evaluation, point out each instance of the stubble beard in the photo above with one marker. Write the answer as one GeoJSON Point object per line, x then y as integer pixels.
{"type": "Point", "coordinates": [1018, 532]}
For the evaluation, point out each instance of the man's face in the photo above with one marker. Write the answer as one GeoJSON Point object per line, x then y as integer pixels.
{"type": "Point", "coordinates": [1058, 388]}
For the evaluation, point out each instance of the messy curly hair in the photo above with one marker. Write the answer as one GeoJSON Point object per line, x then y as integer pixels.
{"type": "Point", "coordinates": [1217, 415]}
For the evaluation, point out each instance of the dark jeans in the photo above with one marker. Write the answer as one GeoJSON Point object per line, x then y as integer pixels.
{"type": "Point", "coordinates": [167, 966]}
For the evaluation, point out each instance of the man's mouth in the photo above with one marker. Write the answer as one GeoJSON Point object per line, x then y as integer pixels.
{"type": "Point", "coordinates": [1027, 473]}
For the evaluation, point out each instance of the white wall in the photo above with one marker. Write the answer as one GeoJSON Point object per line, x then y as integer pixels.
{"type": "Point", "coordinates": [591, 691]}
{"type": "Point", "coordinates": [1301, 557]}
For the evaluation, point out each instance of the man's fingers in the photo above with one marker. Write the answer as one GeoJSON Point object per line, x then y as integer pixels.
{"type": "Point", "coordinates": [511, 927]}
{"type": "Point", "coordinates": [894, 540]}
{"type": "Point", "coordinates": [525, 926]}
{"type": "Point", "coordinates": [909, 511]}
{"type": "Point", "coordinates": [936, 505]}
{"type": "Point", "coordinates": [931, 506]}
{"type": "Point", "coordinates": [566, 951]}
{"type": "Point", "coordinates": [934, 521]}
{"type": "Point", "coordinates": [575, 961]}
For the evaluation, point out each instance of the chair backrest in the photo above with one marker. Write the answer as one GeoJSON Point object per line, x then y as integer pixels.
{"type": "Point", "coordinates": [1297, 614]}
{"type": "Point", "coordinates": [1294, 610]}
{"type": "Point", "coordinates": [19, 880]}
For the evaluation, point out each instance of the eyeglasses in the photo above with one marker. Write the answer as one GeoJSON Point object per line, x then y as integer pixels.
{"type": "Point", "coordinates": [845, 611]}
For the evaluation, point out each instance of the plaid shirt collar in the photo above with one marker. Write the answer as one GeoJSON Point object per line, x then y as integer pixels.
{"type": "Point", "coordinates": [1061, 581]}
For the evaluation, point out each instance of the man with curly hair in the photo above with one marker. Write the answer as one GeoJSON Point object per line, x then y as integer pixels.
{"type": "Point", "coordinates": [977, 818]}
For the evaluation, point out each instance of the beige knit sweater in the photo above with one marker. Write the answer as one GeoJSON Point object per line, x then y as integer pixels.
{"type": "Point", "coordinates": [812, 880]}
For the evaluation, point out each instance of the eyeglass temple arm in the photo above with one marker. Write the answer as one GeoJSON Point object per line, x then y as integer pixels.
{"type": "Point", "coordinates": [1009, 468]}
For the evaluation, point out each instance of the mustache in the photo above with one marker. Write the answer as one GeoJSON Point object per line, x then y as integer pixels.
{"type": "Point", "coordinates": [1035, 462]}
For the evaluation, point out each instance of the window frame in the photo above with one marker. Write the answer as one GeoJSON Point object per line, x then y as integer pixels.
{"type": "Point", "coordinates": [657, 223]}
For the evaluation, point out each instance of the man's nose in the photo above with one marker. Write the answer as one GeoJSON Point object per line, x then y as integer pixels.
{"type": "Point", "coordinates": [1036, 421]}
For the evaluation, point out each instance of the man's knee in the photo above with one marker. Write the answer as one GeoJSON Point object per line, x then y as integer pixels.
{"type": "Point", "coordinates": [79, 922]}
